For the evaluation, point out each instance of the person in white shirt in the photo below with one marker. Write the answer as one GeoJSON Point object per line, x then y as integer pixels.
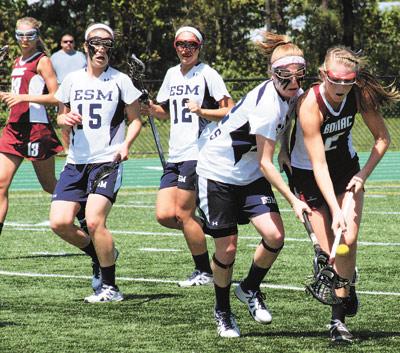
{"type": "Point", "coordinates": [236, 171]}
{"type": "Point", "coordinates": [93, 105]}
{"type": "Point", "coordinates": [191, 95]}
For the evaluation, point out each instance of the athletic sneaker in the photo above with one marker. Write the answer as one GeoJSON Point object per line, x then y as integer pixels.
{"type": "Point", "coordinates": [339, 332]}
{"type": "Point", "coordinates": [105, 294]}
{"type": "Point", "coordinates": [255, 303]}
{"type": "Point", "coordinates": [97, 280]}
{"type": "Point", "coordinates": [226, 324]}
{"type": "Point", "coordinates": [197, 278]}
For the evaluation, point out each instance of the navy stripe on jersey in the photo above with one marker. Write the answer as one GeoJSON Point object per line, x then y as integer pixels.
{"type": "Point", "coordinates": [118, 117]}
{"type": "Point", "coordinates": [208, 103]}
{"type": "Point", "coordinates": [261, 91]}
{"type": "Point", "coordinates": [242, 141]}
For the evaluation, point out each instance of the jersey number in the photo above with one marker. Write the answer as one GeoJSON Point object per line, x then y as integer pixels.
{"type": "Point", "coordinates": [94, 116]}
{"type": "Point", "coordinates": [185, 117]}
{"type": "Point", "coordinates": [331, 142]}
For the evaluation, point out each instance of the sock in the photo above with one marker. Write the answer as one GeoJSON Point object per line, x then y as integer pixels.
{"type": "Point", "coordinates": [338, 312]}
{"type": "Point", "coordinates": [1, 227]}
{"type": "Point", "coordinates": [222, 298]}
{"type": "Point", "coordinates": [254, 278]}
{"type": "Point", "coordinates": [108, 275]}
{"type": "Point", "coordinates": [202, 262]}
{"type": "Point", "coordinates": [91, 251]}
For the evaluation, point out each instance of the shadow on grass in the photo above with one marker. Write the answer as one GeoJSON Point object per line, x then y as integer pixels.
{"type": "Point", "coordinates": [145, 298]}
{"type": "Point", "coordinates": [42, 256]}
{"type": "Point", "coordinates": [8, 323]}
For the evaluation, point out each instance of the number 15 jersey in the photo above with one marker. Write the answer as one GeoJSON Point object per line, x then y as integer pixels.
{"type": "Point", "coordinates": [101, 103]}
{"type": "Point", "coordinates": [201, 84]}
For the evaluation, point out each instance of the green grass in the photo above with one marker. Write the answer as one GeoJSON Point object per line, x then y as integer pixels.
{"type": "Point", "coordinates": [47, 314]}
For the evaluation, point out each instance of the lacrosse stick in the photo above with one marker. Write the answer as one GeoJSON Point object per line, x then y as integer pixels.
{"type": "Point", "coordinates": [136, 72]}
{"type": "Point", "coordinates": [3, 53]}
{"type": "Point", "coordinates": [102, 174]}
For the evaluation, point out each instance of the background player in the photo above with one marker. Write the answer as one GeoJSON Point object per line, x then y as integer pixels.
{"type": "Point", "coordinates": [325, 164]}
{"type": "Point", "coordinates": [191, 95]}
{"type": "Point", "coordinates": [28, 132]}
{"type": "Point", "coordinates": [93, 106]}
{"type": "Point", "coordinates": [236, 171]}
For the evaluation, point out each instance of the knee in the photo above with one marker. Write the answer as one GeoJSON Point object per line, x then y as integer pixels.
{"type": "Point", "coordinates": [226, 255]}
{"type": "Point", "coordinates": [166, 219]}
{"type": "Point", "coordinates": [60, 226]}
{"type": "Point", "coordinates": [275, 240]}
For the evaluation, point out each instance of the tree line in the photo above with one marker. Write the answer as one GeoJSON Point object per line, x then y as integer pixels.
{"type": "Point", "coordinates": [147, 29]}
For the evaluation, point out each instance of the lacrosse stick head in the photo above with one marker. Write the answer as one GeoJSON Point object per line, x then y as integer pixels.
{"type": "Point", "coordinates": [3, 53]}
{"type": "Point", "coordinates": [136, 67]}
{"type": "Point", "coordinates": [323, 286]}
{"type": "Point", "coordinates": [320, 261]}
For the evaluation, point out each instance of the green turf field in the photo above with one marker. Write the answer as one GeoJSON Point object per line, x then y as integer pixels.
{"type": "Point", "coordinates": [43, 281]}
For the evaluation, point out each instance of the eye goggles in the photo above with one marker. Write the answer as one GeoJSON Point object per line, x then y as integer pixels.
{"type": "Point", "coordinates": [30, 34]}
{"type": "Point", "coordinates": [184, 44]}
{"type": "Point", "coordinates": [343, 79]}
{"type": "Point", "coordinates": [96, 42]}
{"type": "Point", "coordinates": [284, 74]}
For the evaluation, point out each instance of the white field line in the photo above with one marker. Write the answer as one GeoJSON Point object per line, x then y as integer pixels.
{"type": "Point", "coordinates": [35, 228]}
{"type": "Point", "coordinates": [158, 280]}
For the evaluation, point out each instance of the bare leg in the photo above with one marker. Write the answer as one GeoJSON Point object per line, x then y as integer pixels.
{"type": "Point", "coordinates": [9, 165]}
{"type": "Point", "coordinates": [165, 208]}
{"type": "Point", "coordinates": [45, 171]}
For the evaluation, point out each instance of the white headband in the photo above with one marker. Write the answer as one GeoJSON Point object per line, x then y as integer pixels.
{"type": "Point", "coordinates": [98, 26]}
{"type": "Point", "coordinates": [287, 60]}
{"type": "Point", "coordinates": [191, 30]}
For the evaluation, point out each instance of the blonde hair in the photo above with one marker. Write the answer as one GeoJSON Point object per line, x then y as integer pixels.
{"type": "Point", "coordinates": [36, 24]}
{"type": "Point", "coordinates": [276, 46]}
{"type": "Point", "coordinates": [371, 94]}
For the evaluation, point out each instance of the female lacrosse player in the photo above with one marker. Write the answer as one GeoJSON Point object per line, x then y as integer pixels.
{"type": "Point", "coordinates": [93, 102]}
{"type": "Point", "coordinates": [28, 133]}
{"type": "Point", "coordinates": [325, 165]}
{"type": "Point", "coordinates": [236, 170]}
{"type": "Point", "coordinates": [191, 95]}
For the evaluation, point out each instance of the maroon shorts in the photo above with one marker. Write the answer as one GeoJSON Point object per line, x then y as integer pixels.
{"type": "Point", "coordinates": [34, 141]}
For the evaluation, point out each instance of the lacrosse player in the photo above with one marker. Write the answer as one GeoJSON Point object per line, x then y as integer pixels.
{"type": "Point", "coordinates": [93, 103]}
{"type": "Point", "coordinates": [236, 170]}
{"type": "Point", "coordinates": [191, 95]}
{"type": "Point", "coordinates": [28, 132]}
{"type": "Point", "coordinates": [325, 164]}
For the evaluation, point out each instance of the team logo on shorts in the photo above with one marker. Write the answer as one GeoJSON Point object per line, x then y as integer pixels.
{"type": "Point", "coordinates": [182, 179]}
{"type": "Point", "coordinates": [267, 199]}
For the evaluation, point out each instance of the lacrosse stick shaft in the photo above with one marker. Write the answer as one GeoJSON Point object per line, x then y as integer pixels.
{"type": "Point", "coordinates": [3, 53]}
{"type": "Point", "coordinates": [310, 232]}
{"type": "Point", "coordinates": [157, 141]}
{"type": "Point", "coordinates": [338, 235]}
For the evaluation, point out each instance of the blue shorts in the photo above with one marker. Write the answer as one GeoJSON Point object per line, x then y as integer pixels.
{"type": "Point", "coordinates": [307, 188]}
{"type": "Point", "coordinates": [224, 206]}
{"type": "Point", "coordinates": [182, 174]}
{"type": "Point", "coordinates": [77, 181]}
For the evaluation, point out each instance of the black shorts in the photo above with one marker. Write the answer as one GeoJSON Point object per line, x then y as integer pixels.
{"type": "Point", "coordinates": [224, 206]}
{"type": "Point", "coordinates": [306, 186]}
{"type": "Point", "coordinates": [182, 175]}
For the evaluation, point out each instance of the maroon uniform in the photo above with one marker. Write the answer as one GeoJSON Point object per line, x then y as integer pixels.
{"type": "Point", "coordinates": [28, 132]}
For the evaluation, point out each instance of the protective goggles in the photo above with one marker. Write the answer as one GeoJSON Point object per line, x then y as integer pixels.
{"type": "Point", "coordinates": [30, 34]}
{"type": "Point", "coordinates": [96, 42]}
{"type": "Point", "coordinates": [287, 75]}
{"type": "Point", "coordinates": [339, 78]}
{"type": "Point", "coordinates": [184, 44]}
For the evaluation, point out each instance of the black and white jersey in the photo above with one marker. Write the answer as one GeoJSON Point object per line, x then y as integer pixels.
{"type": "Point", "coordinates": [201, 84]}
{"type": "Point", "coordinates": [335, 132]}
{"type": "Point", "coordinates": [101, 103]}
{"type": "Point", "coordinates": [229, 153]}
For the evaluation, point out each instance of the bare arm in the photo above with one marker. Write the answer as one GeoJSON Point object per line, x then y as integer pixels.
{"type": "Point", "coordinates": [154, 110]}
{"type": "Point", "coordinates": [225, 105]}
{"type": "Point", "coordinates": [265, 151]}
{"type": "Point", "coordinates": [133, 114]}
{"type": "Point", "coordinates": [45, 69]}
{"type": "Point", "coordinates": [376, 124]}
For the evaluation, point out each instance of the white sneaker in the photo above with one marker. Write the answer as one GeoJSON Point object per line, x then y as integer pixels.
{"type": "Point", "coordinates": [255, 303]}
{"type": "Point", "coordinates": [197, 278]}
{"type": "Point", "coordinates": [97, 280]}
{"type": "Point", "coordinates": [105, 294]}
{"type": "Point", "coordinates": [226, 324]}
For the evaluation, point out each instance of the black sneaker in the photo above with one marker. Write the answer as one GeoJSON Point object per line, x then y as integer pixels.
{"type": "Point", "coordinates": [339, 332]}
{"type": "Point", "coordinates": [226, 324]}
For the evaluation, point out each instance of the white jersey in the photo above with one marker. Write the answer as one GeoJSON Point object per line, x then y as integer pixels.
{"type": "Point", "coordinates": [229, 153]}
{"type": "Point", "coordinates": [101, 102]}
{"type": "Point", "coordinates": [201, 84]}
